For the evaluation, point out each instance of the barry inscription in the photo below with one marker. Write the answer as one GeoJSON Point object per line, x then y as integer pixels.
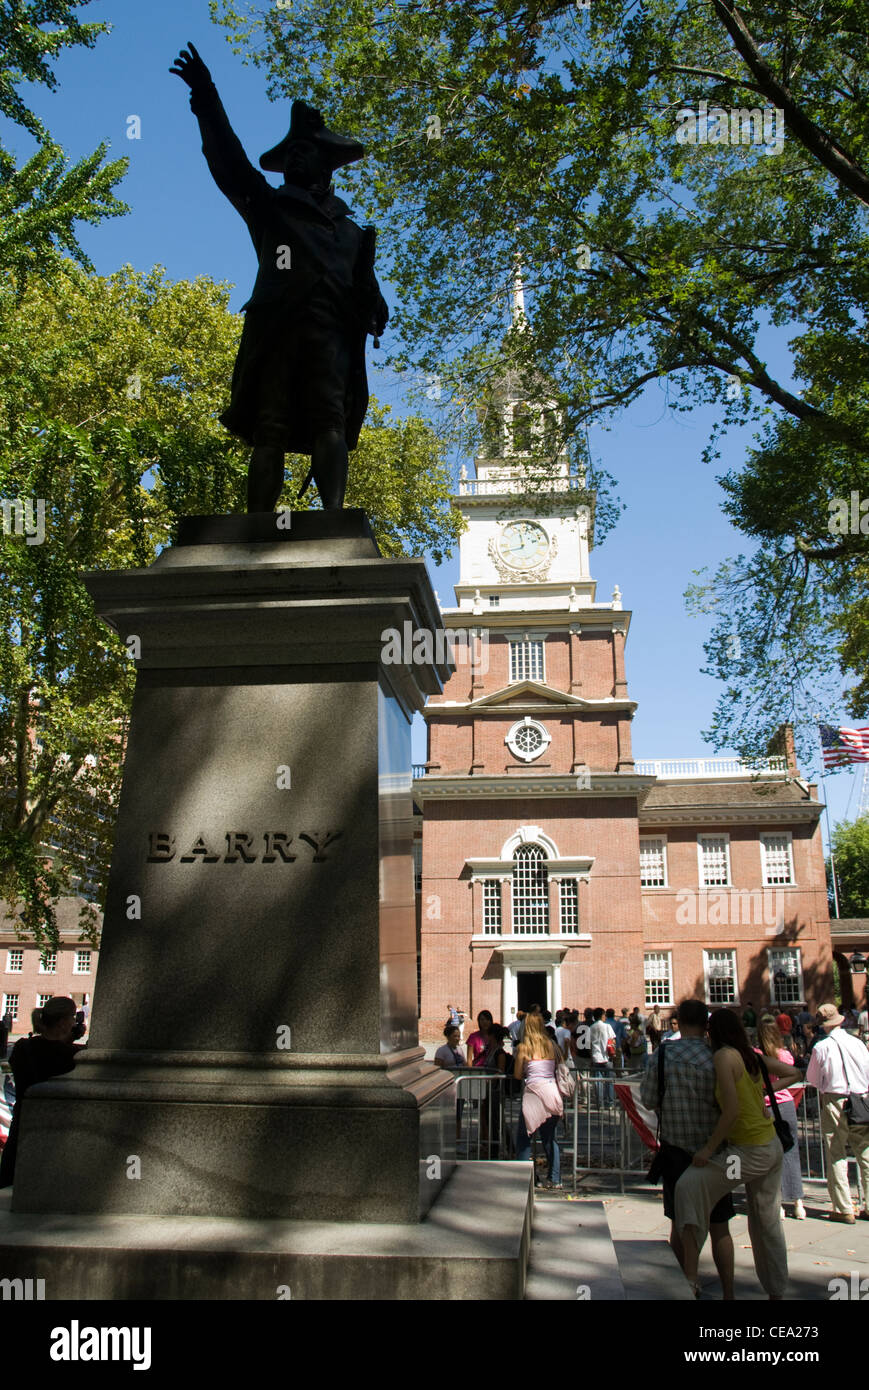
{"type": "Point", "coordinates": [272, 847]}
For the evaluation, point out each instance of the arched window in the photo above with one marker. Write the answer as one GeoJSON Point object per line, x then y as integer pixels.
{"type": "Point", "coordinates": [530, 890]}
{"type": "Point", "coordinates": [521, 429]}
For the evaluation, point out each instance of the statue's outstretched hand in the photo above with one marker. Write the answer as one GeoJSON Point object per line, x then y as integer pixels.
{"type": "Point", "coordinates": [191, 69]}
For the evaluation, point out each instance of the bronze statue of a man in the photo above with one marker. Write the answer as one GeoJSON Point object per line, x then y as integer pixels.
{"type": "Point", "coordinates": [299, 384]}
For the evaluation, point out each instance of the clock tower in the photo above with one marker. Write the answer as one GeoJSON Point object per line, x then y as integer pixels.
{"type": "Point", "coordinates": [555, 870]}
{"type": "Point", "coordinates": [523, 527]}
{"type": "Point", "coordinates": [529, 794]}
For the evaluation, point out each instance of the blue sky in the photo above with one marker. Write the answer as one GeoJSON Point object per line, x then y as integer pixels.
{"type": "Point", "coordinates": [673, 524]}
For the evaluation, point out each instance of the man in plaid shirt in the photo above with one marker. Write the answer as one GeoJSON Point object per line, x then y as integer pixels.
{"type": "Point", "coordinates": [688, 1113]}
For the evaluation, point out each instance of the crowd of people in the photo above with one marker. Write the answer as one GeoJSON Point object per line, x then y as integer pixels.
{"type": "Point", "coordinates": [722, 1123]}
{"type": "Point", "coordinates": [599, 1041]}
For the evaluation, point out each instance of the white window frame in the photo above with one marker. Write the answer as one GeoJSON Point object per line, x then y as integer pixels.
{"type": "Point", "coordinates": [720, 951]}
{"type": "Point", "coordinates": [662, 841]}
{"type": "Point", "coordinates": [82, 951]}
{"type": "Point", "coordinates": [787, 836]}
{"type": "Point", "coordinates": [661, 1003]}
{"type": "Point", "coordinates": [493, 928]}
{"type": "Point", "coordinates": [779, 951]}
{"type": "Point", "coordinates": [51, 969]}
{"type": "Point", "coordinates": [9, 1008]}
{"type": "Point", "coordinates": [494, 600]}
{"type": "Point", "coordinates": [18, 952]}
{"type": "Point", "coordinates": [513, 643]}
{"type": "Point", "coordinates": [42, 1000]}
{"type": "Point", "coordinates": [572, 886]}
{"type": "Point", "coordinates": [714, 835]}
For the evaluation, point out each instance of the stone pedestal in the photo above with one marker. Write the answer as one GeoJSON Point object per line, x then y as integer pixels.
{"type": "Point", "coordinates": [254, 1050]}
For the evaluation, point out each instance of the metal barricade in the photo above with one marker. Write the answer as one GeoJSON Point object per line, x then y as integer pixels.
{"type": "Point", "coordinates": [597, 1128]}
{"type": "Point", "coordinates": [596, 1135]}
{"type": "Point", "coordinates": [486, 1114]}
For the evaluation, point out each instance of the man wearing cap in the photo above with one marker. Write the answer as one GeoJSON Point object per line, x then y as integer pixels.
{"type": "Point", "coordinates": [839, 1067]}
{"type": "Point", "coordinates": [299, 384]}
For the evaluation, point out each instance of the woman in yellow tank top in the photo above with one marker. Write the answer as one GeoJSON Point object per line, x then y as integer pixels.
{"type": "Point", "coordinates": [753, 1157]}
{"type": "Point", "coordinates": [752, 1124]}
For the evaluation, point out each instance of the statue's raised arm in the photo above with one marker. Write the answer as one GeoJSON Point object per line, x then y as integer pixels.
{"type": "Point", "coordinates": [230, 167]}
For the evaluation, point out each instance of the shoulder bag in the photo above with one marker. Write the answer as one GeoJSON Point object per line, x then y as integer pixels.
{"type": "Point", "coordinates": [782, 1128]}
{"type": "Point", "coordinates": [564, 1080]}
{"type": "Point", "coordinates": [856, 1107]}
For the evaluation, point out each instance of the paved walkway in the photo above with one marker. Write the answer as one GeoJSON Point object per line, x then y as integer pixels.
{"type": "Point", "coordinates": [570, 1249]}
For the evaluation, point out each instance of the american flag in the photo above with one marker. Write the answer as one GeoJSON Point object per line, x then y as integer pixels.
{"type": "Point", "coordinates": [7, 1098]}
{"type": "Point", "coordinates": [843, 746]}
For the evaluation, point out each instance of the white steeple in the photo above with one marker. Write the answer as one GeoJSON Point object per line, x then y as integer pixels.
{"type": "Point", "coordinates": [519, 317]}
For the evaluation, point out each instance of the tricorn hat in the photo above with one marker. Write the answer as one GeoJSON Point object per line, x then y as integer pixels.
{"type": "Point", "coordinates": [306, 123]}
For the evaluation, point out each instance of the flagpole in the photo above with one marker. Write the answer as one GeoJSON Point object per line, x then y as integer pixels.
{"type": "Point", "coordinates": [832, 856]}
{"type": "Point", "coordinates": [829, 832]}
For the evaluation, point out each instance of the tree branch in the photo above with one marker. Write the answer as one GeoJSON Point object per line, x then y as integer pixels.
{"type": "Point", "coordinates": [811, 136]}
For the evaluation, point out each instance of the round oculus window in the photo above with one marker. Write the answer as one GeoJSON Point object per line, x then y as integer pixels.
{"type": "Point", "coordinates": [527, 739]}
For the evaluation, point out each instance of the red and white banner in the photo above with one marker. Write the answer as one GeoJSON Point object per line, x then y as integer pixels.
{"type": "Point", "coordinates": [644, 1121]}
{"type": "Point", "coordinates": [5, 1112]}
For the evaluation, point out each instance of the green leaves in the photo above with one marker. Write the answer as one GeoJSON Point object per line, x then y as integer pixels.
{"type": "Point", "coordinates": [41, 201]}
{"type": "Point", "coordinates": [25, 46]}
{"type": "Point", "coordinates": [851, 853]}
{"type": "Point", "coordinates": [562, 129]}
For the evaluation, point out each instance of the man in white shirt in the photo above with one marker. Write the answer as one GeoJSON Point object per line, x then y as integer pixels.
{"type": "Point", "coordinates": [601, 1061]}
{"type": "Point", "coordinates": [839, 1066]}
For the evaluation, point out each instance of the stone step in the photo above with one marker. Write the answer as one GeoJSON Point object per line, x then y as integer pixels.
{"type": "Point", "coordinates": [650, 1271]}
{"type": "Point", "coordinates": [572, 1254]}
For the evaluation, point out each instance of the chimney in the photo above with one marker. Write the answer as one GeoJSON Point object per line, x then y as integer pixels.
{"type": "Point", "coordinates": [782, 746]}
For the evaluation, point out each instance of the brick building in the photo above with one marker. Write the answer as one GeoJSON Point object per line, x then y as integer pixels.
{"type": "Point", "coordinates": [553, 866]}
{"type": "Point", "coordinates": [29, 978]}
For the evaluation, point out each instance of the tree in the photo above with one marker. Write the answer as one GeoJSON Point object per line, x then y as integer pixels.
{"type": "Point", "coordinates": [663, 242]}
{"type": "Point", "coordinates": [110, 390]}
{"type": "Point", "coordinates": [41, 201]}
{"type": "Point", "coordinates": [851, 853]}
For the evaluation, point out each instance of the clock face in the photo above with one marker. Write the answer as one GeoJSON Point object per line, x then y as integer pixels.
{"type": "Point", "coordinates": [523, 544]}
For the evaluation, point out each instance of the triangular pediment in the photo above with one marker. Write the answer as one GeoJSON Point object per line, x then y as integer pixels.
{"type": "Point", "coordinates": [522, 693]}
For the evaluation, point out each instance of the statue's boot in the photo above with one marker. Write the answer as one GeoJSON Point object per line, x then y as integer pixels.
{"type": "Point", "coordinates": [265, 478]}
{"type": "Point", "coordinates": [329, 464]}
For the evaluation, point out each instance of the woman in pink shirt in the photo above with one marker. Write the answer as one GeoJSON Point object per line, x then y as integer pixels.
{"type": "Point", "coordinates": [478, 1042]}
{"type": "Point", "coordinates": [537, 1057]}
{"type": "Point", "coordinates": [772, 1045]}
